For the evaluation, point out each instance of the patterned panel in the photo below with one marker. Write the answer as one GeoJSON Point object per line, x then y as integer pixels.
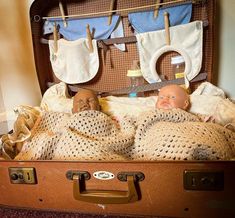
{"type": "Point", "coordinates": [112, 72]}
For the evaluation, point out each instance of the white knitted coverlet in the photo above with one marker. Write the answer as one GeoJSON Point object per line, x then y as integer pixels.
{"type": "Point", "coordinates": [88, 135]}
{"type": "Point", "coordinates": [179, 135]}
{"type": "Point", "coordinates": [156, 135]}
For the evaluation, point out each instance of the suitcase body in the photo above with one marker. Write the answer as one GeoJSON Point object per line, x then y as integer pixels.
{"type": "Point", "coordinates": [172, 189]}
{"type": "Point", "coordinates": [156, 188]}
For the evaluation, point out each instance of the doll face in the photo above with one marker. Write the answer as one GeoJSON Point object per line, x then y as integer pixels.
{"type": "Point", "coordinates": [85, 100]}
{"type": "Point", "coordinates": [172, 96]}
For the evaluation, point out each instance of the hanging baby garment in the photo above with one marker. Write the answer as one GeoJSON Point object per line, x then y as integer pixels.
{"type": "Point", "coordinates": [76, 28]}
{"type": "Point", "coordinates": [185, 39]}
{"type": "Point", "coordinates": [145, 21]}
{"type": "Point", "coordinates": [119, 32]}
{"type": "Point", "coordinates": [73, 62]}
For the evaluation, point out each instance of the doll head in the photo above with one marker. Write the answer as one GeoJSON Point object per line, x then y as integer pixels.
{"type": "Point", "coordinates": [85, 100]}
{"type": "Point", "coordinates": [172, 96]}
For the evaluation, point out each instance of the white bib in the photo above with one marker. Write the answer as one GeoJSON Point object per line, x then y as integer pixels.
{"type": "Point", "coordinates": [185, 39]}
{"type": "Point", "coordinates": [73, 63]}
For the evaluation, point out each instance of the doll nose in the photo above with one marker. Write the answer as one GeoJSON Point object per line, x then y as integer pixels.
{"type": "Point", "coordinates": [85, 101]}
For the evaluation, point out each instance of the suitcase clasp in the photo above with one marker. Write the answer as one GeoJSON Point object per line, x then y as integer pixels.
{"type": "Point", "coordinates": [81, 174]}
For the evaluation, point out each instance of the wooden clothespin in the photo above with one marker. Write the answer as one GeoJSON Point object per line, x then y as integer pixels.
{"type": "Point", "coordinates": [167, 30]}
{"type": "Point", "coordinates": [110, 15]}
{"type": "Point", "coordinates": [89, 37]}
{"type": "Point", "coordinates": [55, 37]}
{"type": "Point", "coordinates": [105, 48]}
{"type": "Point", "coordinates": [156, 8]}
{"type": "Point", "coordinates": [62, 13]}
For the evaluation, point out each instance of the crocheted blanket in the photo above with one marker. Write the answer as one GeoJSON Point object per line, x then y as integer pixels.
{"type": "Point", "coordinates": [88, 135]}
{"type": "Point", "coordinates": [179, 135]}
{"type": "Point", "coordinates": [158, 135]}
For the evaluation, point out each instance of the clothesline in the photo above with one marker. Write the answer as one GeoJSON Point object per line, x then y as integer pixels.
{"type": "Point", "coordinates": [119, 10]}
{"type": "Point", "coordinates": [118, 40]}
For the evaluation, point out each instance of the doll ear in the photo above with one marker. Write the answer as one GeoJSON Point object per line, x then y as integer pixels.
{"type": "Point", "coordinates": [186, 104]}
{"type": "Point", "coordinates": [74, 110]}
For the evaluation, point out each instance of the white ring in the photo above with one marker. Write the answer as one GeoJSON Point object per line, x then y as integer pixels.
{"type": "Point", "coordinates": [167, 48]}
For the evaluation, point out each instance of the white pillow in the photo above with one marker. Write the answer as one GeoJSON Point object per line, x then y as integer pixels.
{"type": "Point", "coordinates": [210, 100]}
{"type": "Point", "coordinates": [56, 98]}
{"type": "Point", "coordinates": [207, 88]}
{"type": "Point", "coordinates": [225, 113]}
{"type": "Point", "coordinates": [204, 104]}
{"type": "Point", "coordinates": [125, 106]}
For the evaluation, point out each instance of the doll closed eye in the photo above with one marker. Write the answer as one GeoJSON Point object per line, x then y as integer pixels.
{"type": "Point", "coordinates": [169, 97]}
{"type": "Point", "coordinates": [90, 100]}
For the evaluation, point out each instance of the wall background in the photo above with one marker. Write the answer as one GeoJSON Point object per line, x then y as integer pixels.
{"type": "Point", "coordinates": [225, 62]}
{"type": "Point", "coordinates": [18, 80]}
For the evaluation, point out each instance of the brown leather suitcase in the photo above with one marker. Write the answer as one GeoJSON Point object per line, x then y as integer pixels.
{"type": "Point", "coordinates": [151, 188]}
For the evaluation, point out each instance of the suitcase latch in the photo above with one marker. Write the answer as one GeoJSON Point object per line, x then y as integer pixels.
{"type": "Point", "coordinates": [84, 174]}
{"type": "Point", "coordinates": [203, 180]}
{"type": "Point", "coordinates": [138, 176]}
{"type": "Point", "coordinates": [22, 175]}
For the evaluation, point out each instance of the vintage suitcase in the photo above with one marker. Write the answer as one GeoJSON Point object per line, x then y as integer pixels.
{"type": "Point", "coordinates": [151, 188]}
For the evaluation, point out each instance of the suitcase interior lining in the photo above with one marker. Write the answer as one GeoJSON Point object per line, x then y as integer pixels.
{"type": "Point", "coordinates": [117, 62]}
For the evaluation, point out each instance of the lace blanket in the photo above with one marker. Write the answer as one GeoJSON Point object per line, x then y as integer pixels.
{"type": "Point", "coordinates": [88, 135]}
{"type": "Point", "coordinates": [179, 135]}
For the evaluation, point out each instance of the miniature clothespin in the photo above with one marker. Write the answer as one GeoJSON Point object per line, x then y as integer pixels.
{"type": "Point", "coordinates": [156, 8]}
{"type": "Point", "coordinates": [62, 13]}
{"type": "Point", "coordinates": [106, 51]}
{"type": "Point", "coordinates": [89, 37]}
{"type": "Point", "coordinates": [167, 30]}
{"type": "Point", "coordinates": [55, 37]}
{"type": "Point", "coordinates": [110, 15]}
{"type": "Point", "coordinates": [105, 48]}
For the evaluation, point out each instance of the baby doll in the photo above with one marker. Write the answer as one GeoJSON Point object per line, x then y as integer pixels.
{"type": "Point", "coordinates": [85, 99]}
{"type": "Point", "coordinates": [172, 96]}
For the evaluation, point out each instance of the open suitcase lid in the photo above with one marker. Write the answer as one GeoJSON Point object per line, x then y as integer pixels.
{"type": "Point", "coordinates": [113, 63]}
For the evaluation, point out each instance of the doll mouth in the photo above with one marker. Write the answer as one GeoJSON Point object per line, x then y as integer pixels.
{"type": "Point", "coordinates": [165, 105]}
{"type": "Point", "coordinates": [84, 108]}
